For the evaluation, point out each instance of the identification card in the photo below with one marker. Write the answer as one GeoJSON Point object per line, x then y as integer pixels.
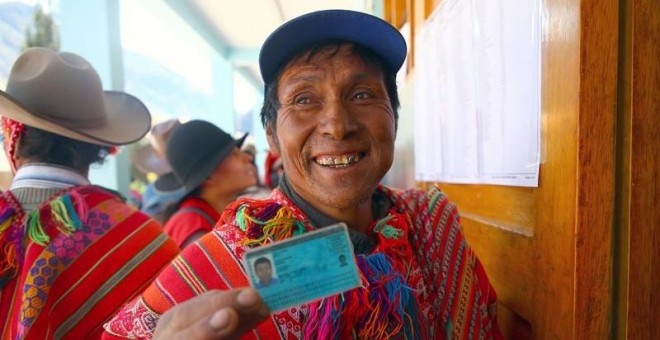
{"type": "Point", "coordinates": [304, 268]}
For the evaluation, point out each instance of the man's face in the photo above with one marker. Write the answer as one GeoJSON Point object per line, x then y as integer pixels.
{"type": "Point", "coordinates": [335, 128]}
{"type": "Point", "coordinates": [264, 272]}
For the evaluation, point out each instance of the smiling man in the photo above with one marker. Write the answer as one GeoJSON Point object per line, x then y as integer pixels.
{"type": "Point", "coordinates": [330, 112]}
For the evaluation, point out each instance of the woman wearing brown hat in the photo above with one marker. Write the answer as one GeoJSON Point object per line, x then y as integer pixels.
{"type": "Point", "coordinates": [213, 170]}
{"type": "Point", "coordinates": [72, 253]}
{"type": "Point", "coordinates": [151, 159]}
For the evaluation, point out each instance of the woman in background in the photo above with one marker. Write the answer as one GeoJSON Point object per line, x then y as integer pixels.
{"type": "Point", "coordinates": [213, 170]}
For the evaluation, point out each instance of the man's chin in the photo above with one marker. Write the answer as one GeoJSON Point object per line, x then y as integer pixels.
{"type": "Point", "coordinates": [346, 202]}
{"type": "Point", "coordinates": [340, 195]}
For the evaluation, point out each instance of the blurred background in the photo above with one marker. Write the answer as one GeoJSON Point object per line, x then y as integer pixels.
{"type": "Point", "coordinates": [574, 258]}
{"type": "Point", "coordinates": [185, 59]}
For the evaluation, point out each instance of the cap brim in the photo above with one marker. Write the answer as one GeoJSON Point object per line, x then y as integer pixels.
{"type": "Point", "coordinates": [356, 27]}
{"type": "Point", "coordinates": [128, 120]}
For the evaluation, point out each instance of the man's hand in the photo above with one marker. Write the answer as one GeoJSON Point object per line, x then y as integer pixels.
{"type": "Point", "coordinates": [213, 315]}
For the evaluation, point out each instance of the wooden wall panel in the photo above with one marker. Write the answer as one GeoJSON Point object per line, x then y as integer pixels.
{"type": "Point", "coordinates": [621, 228]}
{"type": "Point", "coordinates": [503, 243]}
{"type": "Point", "coordinates": [644, 260]}
{"type": "Point", "coordinates": [554, 231]}
{"type": "Point", "coordinates": [596, 168]}
{"type": "Point", "coordinates": [395, 12]}
{"type": "Point", "coordinates": [526, 237]}
{"type": "Point", "coordinates": [549, 250]}
{"type": "Point", "coordinates": [508, 208]}
{"type": "Point", "coordinates": [511, 268]}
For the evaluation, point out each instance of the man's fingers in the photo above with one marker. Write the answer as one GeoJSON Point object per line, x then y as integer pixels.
{"type": "Point", "coordinates": [187, 316]}
{"type": "Point", "coordinates": [221, 319]}
{"type": "Point", "coordinates": [232, 322]}
{"type": "Point", "coordinates": [201, 306]}
{"type": "Point", "coordinates": [251, 310]}
{"type": "Point", "coordinates": [214, 315]}
{"type": "Point", "coordinates": [221, 325]}
{"type": "Point", "coordinates": [248, 300]}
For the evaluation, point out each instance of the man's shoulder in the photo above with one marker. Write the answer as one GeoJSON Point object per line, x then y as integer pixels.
{"type": "Point", "coordinates": [8, 203]}
{"type": "Point", "coordinates": [416, 199]}
{"type": "Point", "coordinates": [94, 204]}
{"type": "Point", "coordinates": [97, 190]}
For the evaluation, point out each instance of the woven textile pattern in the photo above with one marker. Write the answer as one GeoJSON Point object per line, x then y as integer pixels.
{"type": "Point", "coordinates": [72, 280]}
{"type": "Point", "coordinates": [444, 290]}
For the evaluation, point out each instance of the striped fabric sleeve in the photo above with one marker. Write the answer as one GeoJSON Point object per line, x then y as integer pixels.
{"type": "Point", "coordinates": [78, 280]}
{"type": "Point", "coordinates": [461, 297]}
{"type": "Point", "coordinates": [133, 253]}
{"type": "Point", "coordinates": [205, 265]}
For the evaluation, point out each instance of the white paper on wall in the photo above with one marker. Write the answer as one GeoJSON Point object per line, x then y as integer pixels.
{"type": "Point", "coordinates": [477, 93]}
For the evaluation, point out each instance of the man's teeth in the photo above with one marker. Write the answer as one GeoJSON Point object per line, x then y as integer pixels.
{"type": "Point", "coordinates": [338, 160]}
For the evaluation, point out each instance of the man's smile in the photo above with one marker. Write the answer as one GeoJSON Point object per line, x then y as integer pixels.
{"type": "Point", "coordinates": [339, 161]}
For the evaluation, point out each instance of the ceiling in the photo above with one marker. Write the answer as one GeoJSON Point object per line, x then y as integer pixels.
{"type": "Point", "coordinates": [237, 28]}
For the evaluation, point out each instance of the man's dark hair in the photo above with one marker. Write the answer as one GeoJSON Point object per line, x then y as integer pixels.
{"type": "Point", "coordinates": [272, 104]}
{"type": "Point", "coordinates": [262, 260]}
{"type": "Point", "coordinates": [41, 146]}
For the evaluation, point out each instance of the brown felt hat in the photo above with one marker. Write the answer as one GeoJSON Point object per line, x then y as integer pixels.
{"type": "Point", "coordinates": [61, 93]}
{"type": "Point", "coordinates": [151, 157]}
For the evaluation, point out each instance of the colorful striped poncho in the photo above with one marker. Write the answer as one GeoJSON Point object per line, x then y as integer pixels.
{"type": "Point", "coordinates": [68, 267]}
{"type": "Point", "coordinates": [421, 281]}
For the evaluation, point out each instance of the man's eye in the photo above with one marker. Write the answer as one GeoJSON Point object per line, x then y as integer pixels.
{"type": "Point", "coordinates": [303, 100]}
{"type": "Point", "coordinates": [362, 95]}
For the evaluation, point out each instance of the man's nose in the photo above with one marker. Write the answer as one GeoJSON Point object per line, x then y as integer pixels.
{"type": "Point", "coordinates": [337, 120]}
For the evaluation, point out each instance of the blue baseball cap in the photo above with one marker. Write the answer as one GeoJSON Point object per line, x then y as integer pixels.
{"type": "Point", "coordinates": [356, 27]}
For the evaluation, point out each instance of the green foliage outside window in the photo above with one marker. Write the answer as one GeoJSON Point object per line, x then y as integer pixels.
{"type": "Point", "coordinates": [43, 32]}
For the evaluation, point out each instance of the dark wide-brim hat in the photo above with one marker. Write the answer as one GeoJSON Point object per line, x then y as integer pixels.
{"type": "Point", "coordinates": [356, 27]}
{"type": "Point", "coordinates": [167, 183]}
{"type": "Point", "coordinates": [195, 150]}
{"type": "Point", "coordinates": [61, 93]}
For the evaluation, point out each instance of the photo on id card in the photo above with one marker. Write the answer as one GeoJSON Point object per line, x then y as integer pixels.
{"type": "Point", "coordinates": [304, 268]}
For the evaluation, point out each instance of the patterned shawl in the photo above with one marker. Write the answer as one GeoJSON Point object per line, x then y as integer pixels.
{"type": "Point", "coordinates": [68, 266]}
{"type": "Point", "coordinates": [422, 281]}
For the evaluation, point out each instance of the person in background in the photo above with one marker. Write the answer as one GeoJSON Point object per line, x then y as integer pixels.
{"type": "Point", "coordinates": [135, 189]}
{"type": "Point", "coordinates": [251, 151]}
{"type": "Point", "coordinates": [273, 169]}
{"type": "Point", "coordinates": [213, 170]}
{"type": "Point", "coordinates": [330, 112]}
{"type": "Point", "coordinates": [151, 159]}
{"type": "Point", "coordinates": [258, 190]}
{"type": "Point", "coordinates": [72, 253]}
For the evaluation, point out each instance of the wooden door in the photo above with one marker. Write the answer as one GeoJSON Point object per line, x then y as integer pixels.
{"type": "Point", "coordinates": [637, 215]}
{"type": "Point", "coordinates": [549, 250]}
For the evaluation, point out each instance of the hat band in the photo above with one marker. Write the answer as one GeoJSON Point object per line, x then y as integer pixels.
{"type": "Point", "coordinates": [78, 123]}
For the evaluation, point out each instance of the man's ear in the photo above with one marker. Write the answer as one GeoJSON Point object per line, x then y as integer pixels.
{"type": "Point", "coordinates": [16, 159]}
{"type": "Point", "coordinates": [271, 136]}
